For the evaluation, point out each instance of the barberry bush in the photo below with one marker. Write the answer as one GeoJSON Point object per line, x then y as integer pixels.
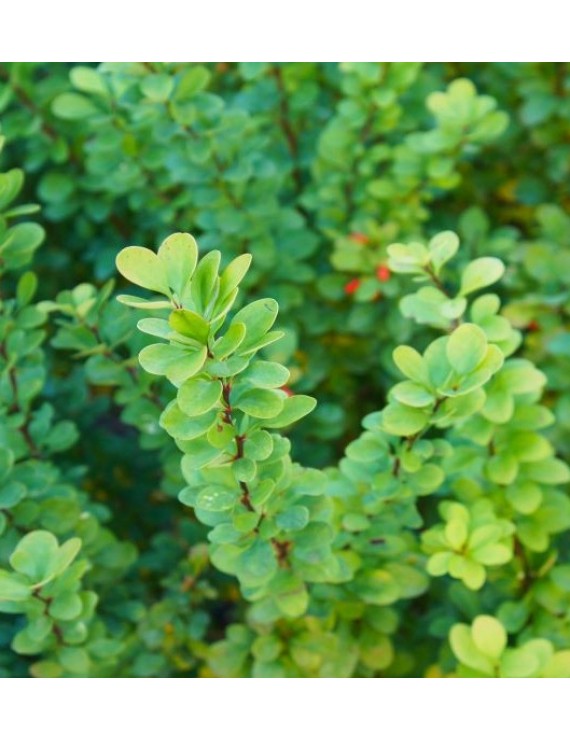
{"type": "Point", "coordinates": [317, 426]}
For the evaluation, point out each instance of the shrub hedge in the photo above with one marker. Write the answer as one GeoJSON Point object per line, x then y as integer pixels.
{"type": "Point", "coordinates": [173, 500]}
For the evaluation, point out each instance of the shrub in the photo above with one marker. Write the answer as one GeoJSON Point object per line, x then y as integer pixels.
{"type": "Point", "coordinates": [416, 522]}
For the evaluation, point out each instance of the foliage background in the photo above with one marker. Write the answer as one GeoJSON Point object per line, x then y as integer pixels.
{"type": "Point", "coordinates": [314, 169]}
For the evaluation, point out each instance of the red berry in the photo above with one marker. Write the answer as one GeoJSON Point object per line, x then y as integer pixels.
{"type": "Point", "coordinates": [359, 238]}
{"type": "Point", "coordinates": [383, 273]}
{"type": "Point", "coordinates": [352, 286]}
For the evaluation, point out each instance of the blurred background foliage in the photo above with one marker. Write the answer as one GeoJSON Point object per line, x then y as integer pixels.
{"type": "Point", "coordinates": [314, 169]}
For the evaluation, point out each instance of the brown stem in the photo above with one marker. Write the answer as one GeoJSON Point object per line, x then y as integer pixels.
{"type": "Point", "coordinates": [281, 547]}
{"type": "Point", "coordinates": [527, 575]}
{"type": "Point", "coordinates": [287, 128]}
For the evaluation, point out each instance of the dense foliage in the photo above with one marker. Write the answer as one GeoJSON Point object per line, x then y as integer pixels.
{"type": "Point", "coordinates": [372, 482]}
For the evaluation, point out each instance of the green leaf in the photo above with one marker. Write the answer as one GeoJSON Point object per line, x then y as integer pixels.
{"type": "Point", "coordinates": [20, 244]}
{"type": "Point", "coordinates": [258, 318]}
{"type": "Point", "coordinates": [144, 268]}
{"type": "Point", "coordinates": [442, 248]}
{"type": "Point", "coordinates": [216, 499]}
{"type": "Point", "coordinates": [177, 363]}
{"type": "Point", "coordinates": [142, 303]}
{"type": "Point", "coordinates": [257, 564]}
{"type": "Point", "coordinates": [66, 606]}
{"type": "Point", "coordinates": [524, 497]}
{"type": "Point", "coordinates": [39, 557]}
{"type": "Point", "coordinates": [480, 273]}
{"type": "Point", "coordinates": [155, 327]}
{"type": "Point", "coordinates": [407, 258]}
{"type": "Point", "coordinates": [519, 663]}
{"type": "Point", "coordinates": [502, 469]}
{"type": "Point", "coordinates": [157, 88]}
{"type": "Point", "coordinates": [244, 469]}
{"type": "Point", "coordinates": [75, 660]}
{"type": "Point", "coordinates": [466, 348]}
{"type": "Point", "coordinates": [456, 534]}
{"type": "Point", "coordinates": [463, 646]}
{"type": "Point", "coordinates": [190, 324]}
{"type": "Point", "coordinates": [26, 288]}
{"type": "Point", "coordinates": [377, 587]}
{"type": "Point", "coordinates": [294, 408]}
{"type": "Point", "coordinates": [411, 364]}
{"type": "Point", "coordinates": [258, 445]}
{"type": "Point", "coordinates": [493, 554]}
{"type": "Point", "coordinates": [412, 394]}
{"type": "Point", "coordinates": [294, 518]}
{"type": "Point", "coordinates": [290, 594]}
{"type": "Point", "coordinates": [88, 80]}
{"type": "Point", "coordinates": [204, 285]}
{"type": "Point", "coordinates": [401, 420]}
{"type": "Point", "coordinates": [186, 366]}
{"type": "Point", "coordinates": [13, 588]}
{"type": "Point", "coordinates": [558, 666]}
{"type": "Point", "coordinates": [10, 185]}
{"type": "Point", "coordinates": [267, 375]}
{"type": "Point", "coordinates": [230, 342]}
{"type": "Point", "coordinates": [260, 403]}
{"type": "Point", "coordinates": [200, 453]}
{"type": "Point", "coordinates": [73, 106]}
{"type": "Point", "coordinates": [472, 574]}
{"type": "Point", "coordinates": [520, 376]}
{"type": "Point", "coordinates": [198, 395]}
{"type": "Point", "coordinates": [234, 274]}
{"type": "Point", "coordinates": [179, 252]}
{"type": "Point", "coordinates": [489, 636]}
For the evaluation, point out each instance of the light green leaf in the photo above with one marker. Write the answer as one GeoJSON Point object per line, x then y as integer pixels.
{"type": "Point", "coordinates": [157, 87]}
{"type": "Point", "coordinates": [463, 646]}
{"type": "Point", "coordinates": [198, 395]}
{"type": "Point", "coordinates": [257, 564]}
{"type": "Point", "coordinates": [13, 588]}
{"type": "Point", "coordinates": [294, 518]}
{"type": "Point", "coordinates": [442, 248]}
{"type": "Point", "coordinates": [412, 394]}
{"type": "Point", "coordinates": [267, 375]}
{"type": "Point", "coordinates": [73, 106]}
{"type": "Point", "coordinates": [88, 80]}
{"type": "Point", "coordinates": [190, 324]}
{"type": "Point", "coordinates": [411, 364]}
{"type": "Point", "coordinates": [39, 557]}
{"type": "Point", "coordinates": [489, 636]}
{"type": "Point", "coordinates": [558, 666]}
{"type": "Point", "coordinates": [234, 274]}
{"type": "Point", "coordinates": [10, 185]}
{"type": "Point", "coordinates": [466, 348]}
{"type": "Point", "coordinates": [143, 267]}
{"type": "Point", "coordinates": [260, 403]}
{"type": "Point", "coordinates": [216, 499]}
{"type": "Point", "coordinates": [179, 252]}
{"type": "Point", "coordinates": [401, 420]}
{"type": "Point", "coordinates": [230, 342]}
{"type": "Point", "coordinates": [480, 273]}
{"type": "Point", "coordinates": [258, 317]}
{"type": "Point", "coordinates": [142, 303]}
{"type": "Point", "coordinates": [204, 284]}
{"type": "Point", "coordinates": [294, 407]}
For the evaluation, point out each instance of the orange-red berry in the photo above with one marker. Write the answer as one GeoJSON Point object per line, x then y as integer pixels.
{"type": "Point", "coordinates": [352, 286]}
{"type": "Point", "coordinates": [360, 238]}
{"type": "Point", "coordinates": [383, 273]}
